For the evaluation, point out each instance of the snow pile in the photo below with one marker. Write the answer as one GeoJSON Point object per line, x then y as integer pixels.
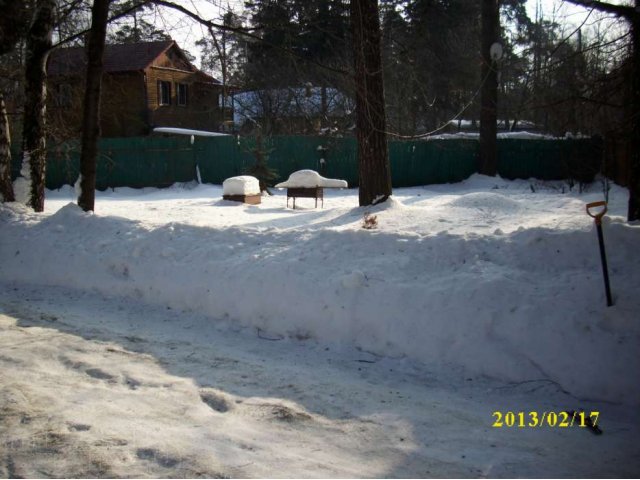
{"type": "Point", "coordinates": [527, 136]}
{"type": "Point", "coordinates": [241, 185]}
{"type": "Point", "coordinates": [492, 201]}
{"type": "Point", "coordinates": [483, 275]}
{"type": "Point", "coordinates": [22, 184]}
{"type": "Point", "coordinates": [311, 179]}
{"type": "Point", "coordinates": [513, 135]}
{"type": "Point", "coordinates": [187, 131]}
{"type": "Point", "coordinates": [104, 387]}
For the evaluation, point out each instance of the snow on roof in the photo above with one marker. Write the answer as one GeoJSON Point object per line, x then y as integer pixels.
{"type": "Point", "coordinates": [186, 131]}
{"type": "Point", "coordinates": [311, 179]}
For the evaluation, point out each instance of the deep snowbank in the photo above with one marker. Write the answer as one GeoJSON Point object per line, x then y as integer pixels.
{"type": "Point", "coordinates": [522, 305]}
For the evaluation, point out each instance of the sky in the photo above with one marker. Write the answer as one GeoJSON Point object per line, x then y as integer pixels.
{"type": "Point", "coordinates": [563, 10]}
{"type": "Point", "coordinates": [186, 32]}
{"type": "Point", "coordinates": [550, 7]}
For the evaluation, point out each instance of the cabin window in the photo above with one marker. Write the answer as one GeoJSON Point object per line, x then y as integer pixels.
{"type": "Point", "coordinates": [181, 90]}
{"type": "Point", "coordinates": [164, 93]}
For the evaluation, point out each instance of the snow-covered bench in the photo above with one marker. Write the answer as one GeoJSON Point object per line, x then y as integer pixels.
{"type": "Point", "coordinates": [309, 184]}
{"type": "Point", "coordinates": [245, 189]}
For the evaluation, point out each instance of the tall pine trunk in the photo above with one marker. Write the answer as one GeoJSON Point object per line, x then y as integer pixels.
{"type": "Point", "coordinates": [489, 91]}
{"type": "Point", "coordinates": [30, 188]}
{"type": "Point", "coordinates": [633, 212]}
{"type": "Point", "coordinates": [91, 113]}
{"type": "Point", "coordinates": [374, 170]}
{"type": "Point", "coordinates": [6, 187]}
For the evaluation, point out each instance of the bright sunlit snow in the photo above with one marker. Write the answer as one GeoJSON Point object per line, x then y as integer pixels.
{"type": "Point", "coordinates": [311, 179]}
{"type": "Point", "coordinates": [174, 334]}
{"type": "Point", "coordinates": [187, 131]}
{"type": "Point", "coordinates": [241, 185]}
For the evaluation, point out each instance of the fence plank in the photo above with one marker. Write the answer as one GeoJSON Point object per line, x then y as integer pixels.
{"type": "Point", "coordinates": [161, 161]}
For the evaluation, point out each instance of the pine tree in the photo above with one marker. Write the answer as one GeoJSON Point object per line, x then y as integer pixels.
{"type": "Point", "coordinates": [374, 169]}
{"type": "Point", "coordinates": [260, 169]}
{"type": "Point", "coordinates": [489, 88]}
{"type": "Point", "coordinates": [91, 112]}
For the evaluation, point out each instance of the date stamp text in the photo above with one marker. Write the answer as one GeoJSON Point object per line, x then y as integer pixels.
{"type": "Point", "coordinates": [565, 419]}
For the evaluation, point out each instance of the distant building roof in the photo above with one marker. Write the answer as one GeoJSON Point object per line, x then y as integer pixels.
{"type": "Point", "coordinates": [291, 102]}
{"type": "Point", "coordinates": [123, 57]}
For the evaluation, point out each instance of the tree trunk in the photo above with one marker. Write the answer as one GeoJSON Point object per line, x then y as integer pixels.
{"type": "Point", "coordinates": [374, 170]}
{"type": "Point", "coordinates": [489, 90]}
{"type": "Point", "coordinates": [12, 28]}
{"type": "Point", "coordinates": [91, 112]}
{"type": "Point", "coordinates": [6, 187]}
{"type": "Point", "coordinates": [324, 111]}
{"type": "Point", "coordinates": [30, 189]}
{"type": "Point", "coordinates": [634, 170]}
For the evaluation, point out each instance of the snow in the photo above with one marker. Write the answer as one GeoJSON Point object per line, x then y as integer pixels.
{"type": "Point", "coordinates": [187, 131]}
{"type": "Point", "coordinates": [241, 185]}
{"type": "Point", "coordinates": [168, 335]}
{"type": "Point", "coordinates": [512, 135]}
{"type": "Point", "coordinates": [311, 179]}
{"type": "Point", "coordinates": [22, 184]}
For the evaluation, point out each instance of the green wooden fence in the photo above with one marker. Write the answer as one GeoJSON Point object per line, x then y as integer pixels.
{"type": "Point", "coordinates": [161, 161]}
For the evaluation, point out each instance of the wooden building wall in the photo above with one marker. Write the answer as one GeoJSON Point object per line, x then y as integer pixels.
{"type": "Point", "coordinates": [123, 108]}
{"type": "Point", "coordinates": [130, 105]}
{"type": "Point", "coordinates": [123, 111]}
{"type": "Point", "coordinates": [64, 111]}
{"type": "Point", "coordinates": [201, 112]}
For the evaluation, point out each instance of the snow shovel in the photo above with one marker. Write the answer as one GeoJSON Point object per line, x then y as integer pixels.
{"type": "Point", "coordinates": [597, 216]}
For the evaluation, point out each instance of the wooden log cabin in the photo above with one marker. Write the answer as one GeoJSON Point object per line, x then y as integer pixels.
{"type": "Point", "coordinates": [145, 85]}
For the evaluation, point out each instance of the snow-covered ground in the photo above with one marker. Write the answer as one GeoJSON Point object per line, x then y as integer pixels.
{"type": "Point", "coordinates": [173, 333]}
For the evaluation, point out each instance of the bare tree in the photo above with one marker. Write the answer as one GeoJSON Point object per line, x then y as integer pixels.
{"type": "Point", "coordinates": [30, 188]}
{"type": "Point", "coordinates": [91, 113]}
{"type": "Point", "coordinates": [374, 169]}
{"type": "Point", "coordinates": [6, 187]}
{"type": "Point", "coordinates": [12, 29]}
{"type": "Point", "coordinates": [632, 15]}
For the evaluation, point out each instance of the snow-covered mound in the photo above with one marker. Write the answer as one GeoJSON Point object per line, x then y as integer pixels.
{"type": "Point", "coordinates": [241, 185]}
{"type": "Point", "coordinates": [488, 201]}
{"type": "Point", "coordinates": [311, 179]}
{"type": "Point", "coordinates": [505, 283]}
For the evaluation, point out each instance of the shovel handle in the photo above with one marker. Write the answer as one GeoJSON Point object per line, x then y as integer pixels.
{"type": "Point", "coordinates": [597, 215]}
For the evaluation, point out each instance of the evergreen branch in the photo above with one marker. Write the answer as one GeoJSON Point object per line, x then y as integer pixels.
{"type": "Point", "coordinates": [246, 32]}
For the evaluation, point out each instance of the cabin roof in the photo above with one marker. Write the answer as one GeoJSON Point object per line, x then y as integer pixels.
{"type": "Point", "coordinates": [123, 57]}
